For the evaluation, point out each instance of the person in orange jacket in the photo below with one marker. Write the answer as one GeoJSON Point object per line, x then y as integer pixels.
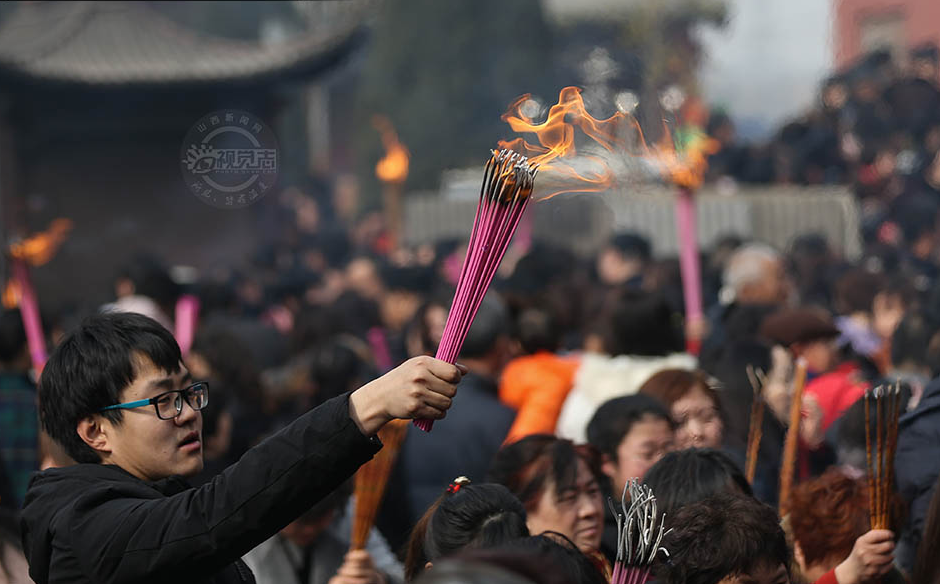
{"type": "Point", "coordinates": [537, 383]}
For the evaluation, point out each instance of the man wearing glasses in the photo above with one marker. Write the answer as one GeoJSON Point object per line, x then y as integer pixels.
{"type": "Point", "coordinates": [116, 396]}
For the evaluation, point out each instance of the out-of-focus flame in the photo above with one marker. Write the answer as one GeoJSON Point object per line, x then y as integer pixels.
{"type": "Point", "coordinates": [11, 295]}
{"type": "Point", "coordinates": [38, 249]}
{"type": "Point", "coordinates": [393, 167]}
{"type": "Point", "coordinates": [684, 166]}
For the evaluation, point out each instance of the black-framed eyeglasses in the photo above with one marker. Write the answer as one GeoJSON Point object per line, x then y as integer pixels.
{"type": "Point", "coordinates": [170, 404]}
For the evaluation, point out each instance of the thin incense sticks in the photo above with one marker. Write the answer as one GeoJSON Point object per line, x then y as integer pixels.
{"type": "Point", "coordinates": [508, 179]}
{"type": "Point", "coordinates": [640, 530]}
{"type": "Point", "coordinates": [371, 480]}
{"type": "Point", "coordinates": [788, 466]}
{"type": "Point", "coordinates": [887, 404]}
{"type": "Point", "coordinates": [755, 431]}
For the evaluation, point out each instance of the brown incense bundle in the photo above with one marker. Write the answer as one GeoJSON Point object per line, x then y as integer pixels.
{"type": "Point", "coordinates": [887, 404]}
{"type": "Point", "coordinates": [788, 467]}
{"type": "Point", "coordinates": [371, 480]}
{"type": "Point", "coordinates": [755, 431]}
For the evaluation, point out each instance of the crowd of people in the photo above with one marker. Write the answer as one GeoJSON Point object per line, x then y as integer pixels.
{"type": "Point", "coordinates": [575, 379]}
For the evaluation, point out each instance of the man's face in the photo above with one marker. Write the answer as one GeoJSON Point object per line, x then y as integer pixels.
{"type": "Point", "coordinates": [764, 573]}
{"type": "Point", "coordinates": [647, 441]}
{"type": "Point", "coordinates": [143, 444]}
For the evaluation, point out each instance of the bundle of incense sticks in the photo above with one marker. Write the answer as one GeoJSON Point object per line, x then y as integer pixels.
{"type": "Point", "coordinates": [371, 480]}
{"type": "Point", "coordinates": [788, 466]}
{"type": "Point", "coordinates": [887, 404]}
{"type": "Point", "coordinates": [508, 179]}
{"type": "Point", "coordinates": [639, 532]}
{"type": "Point", "coordinates": [755, 431]}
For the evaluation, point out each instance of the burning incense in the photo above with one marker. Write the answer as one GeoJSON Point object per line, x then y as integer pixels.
{"type": "Point", "coordinates": [507, 185]}
{"type": "Point", "coordinates": [371, 480]}
{"type": "Point", "coordinates": [392, 170]}
{"type": "Point", "coordinates": [639, 532]}
{"type": "Point", "coordinates": [689, 262]}
{"type": "Point", "coordinates": [788, 467]}
{"type": "Point", "coordinates": [35, 250]}
{"type": "Point", "coordinates": [755, 432]}
{"type": "Point", "coordinates": [887, 404]}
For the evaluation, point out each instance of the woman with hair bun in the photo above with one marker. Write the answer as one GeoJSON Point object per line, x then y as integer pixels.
{"type": "Point", "coordinates": [465, 516]}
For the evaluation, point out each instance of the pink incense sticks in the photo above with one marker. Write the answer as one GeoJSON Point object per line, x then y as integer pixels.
{"type": "Point", "coordinates": [508, 179]}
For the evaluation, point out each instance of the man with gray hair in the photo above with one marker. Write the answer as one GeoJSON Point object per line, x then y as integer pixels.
{"type": "Point", "coordinates": [755, 274]}
{"type": "Point", "coordinates": [755, 283]}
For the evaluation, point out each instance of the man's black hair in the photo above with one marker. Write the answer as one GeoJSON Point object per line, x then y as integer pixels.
{"type": "Point", "coordinates": [491, 322]}
{"type": "Point", "coordinates": [616, 417]}
{"type": "Point", "coordinates": [722, 536]}
{"type": "Point", "coordinates": [538, 331]}
{"type": "Point", "coordinates": [684, 477]}
{"type": "Point", "coordinates": [92, 366]}
{"type": "Point", "coordinates": [632, 245]}
{"type": "Point", "coordinates": [642, 323]}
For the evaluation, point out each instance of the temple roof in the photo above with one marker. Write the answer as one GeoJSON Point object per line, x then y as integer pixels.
{"type": "Point", "coordinates": [131, 43]}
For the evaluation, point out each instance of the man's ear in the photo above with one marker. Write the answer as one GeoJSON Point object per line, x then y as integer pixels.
{"type": "Point", "coordinates": [608, 466]}
{"type": "Point", "coordinates": [91, 430]}
{"type": "Point", "coordinates": [428, 566]}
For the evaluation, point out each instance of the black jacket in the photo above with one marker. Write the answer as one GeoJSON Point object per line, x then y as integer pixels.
{"type": "Point", "coordinates": [97, 523]}
{"type": "Point", "coordinates": [916, 467]}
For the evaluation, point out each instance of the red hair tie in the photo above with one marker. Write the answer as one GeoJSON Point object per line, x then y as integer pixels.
{"type": "Point", "coordinates": [457, 484]}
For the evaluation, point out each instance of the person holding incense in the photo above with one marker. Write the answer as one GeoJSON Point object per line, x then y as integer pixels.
{"type": "Point", "coordinates": [832, 540]}
{"type": "Point", "coordinates": [466, 516]}
{"type": "Point", "coordinates": [558, 482]}
{"type": "Point", "coordinates": [313, 550]}
{"type": "Point", "coordinates": [115, 394]}
{"type": "Point", "coordinates": [831, 387]}
{"type": "Point", "coordinates": [693, 404]}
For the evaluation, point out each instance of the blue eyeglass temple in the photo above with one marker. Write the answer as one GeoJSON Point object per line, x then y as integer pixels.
{"type": "Point", "coordinates": [147, 402]}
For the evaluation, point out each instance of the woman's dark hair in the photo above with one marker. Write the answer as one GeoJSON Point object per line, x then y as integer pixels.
{"type": "Point", "coordinates": [616, 417]}
{"type": "Point", "coordinates": [461, 571]}
{"type": "Point", "coordinates": [550, 558]}
{"type": "Point", "coordinates": [722, 536]}
{"type": "Point", "coordinates": [471, 516]}
{"type": "Point", "coordinates": [92, 366]}
{"type": "Point", "coordinates": [527, 466]}
{"type": "Point", "coordinates": [927, 565]}
{"type": "Point", "coordinates": [687, 476]}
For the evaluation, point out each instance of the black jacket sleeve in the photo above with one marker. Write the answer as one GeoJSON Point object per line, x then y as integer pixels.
{"type": "Point", "coordinates": [189, 536]}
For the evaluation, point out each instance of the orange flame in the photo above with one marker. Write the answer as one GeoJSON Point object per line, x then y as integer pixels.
{"type": "Point", "coordinates": [11, 295]}
{"type": "Point", "coordinates": [393, 167]}
{"type": "Point", "coordinates": [556, 145]}
{"type": "Point", "coordinates": [684, 167]}
{"type": "Point", "coordinates": [38, 249]}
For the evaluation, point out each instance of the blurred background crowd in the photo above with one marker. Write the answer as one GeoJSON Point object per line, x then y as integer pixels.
{"type": "Point", "coordinates": [582, 374]}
